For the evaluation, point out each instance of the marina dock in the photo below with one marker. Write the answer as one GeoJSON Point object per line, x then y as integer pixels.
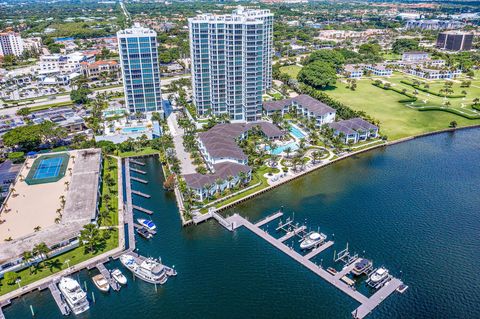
{"type": "Point", "coordinates": [137, 162]}
{"type": "Point", "coordinates": [136, 179]}
{"type": "Point", "coordinates": [62, 305]}
{"type": "Point", "coordinates": [113, 283]}
{"type": "Point", "coordinates": [153, 232]}
{"type": "Point", "coordinates": [139, 171]}
{"type": "Point", "coordinates": [140, 193]}
{"type": "Point", "coordinates": [128, 209]}
{"type": "Point", "coordinates": [268, 219]}
{"type": "Point", "coordinates": [143, 210]}
{"type": "Point", "coordinates": [366, 304]}
{"type": "Point", "coordinates": [292, 233]}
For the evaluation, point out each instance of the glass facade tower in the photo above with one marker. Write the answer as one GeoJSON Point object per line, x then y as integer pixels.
{"type": "Point", "coordinates": [140, 69]}
{"type": "Point", "coordinates": [231, 62]}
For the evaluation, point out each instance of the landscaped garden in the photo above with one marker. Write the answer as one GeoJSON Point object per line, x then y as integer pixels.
{"type": "Point", "coordinates": [291, 70]}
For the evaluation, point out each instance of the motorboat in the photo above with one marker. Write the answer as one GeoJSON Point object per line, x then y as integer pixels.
{"type": "Point", "coordinates": [101, 282]}
{"type": "Point", "coordinates": [144, 233]}
{"type": "Point", "coordinates": [118, 276]}
{"type": "Point", "coordinates": [313, 239]}
{"type": "Point", "coordinates": [332, 270]}
{"type": "Point", "coordinates": [361, 266]}
{"type": "Point", "coordinates": [74, 295]}
{"type": "Point", "coordinates": [148, 224]}
{"type": "Point", "coordinates": [148, 269]}
{"type": "Point", "coordinates": [378, 276]}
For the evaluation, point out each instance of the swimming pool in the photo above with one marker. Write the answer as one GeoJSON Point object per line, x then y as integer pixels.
{"type": "Point", "coordinates": [296, 132]}
{"type": "Point", "coordinates": [280, 149]}
{"type": "Point", "coordinates": [48, 167]}
{"type": "Point", "coordinates": [137, 129]}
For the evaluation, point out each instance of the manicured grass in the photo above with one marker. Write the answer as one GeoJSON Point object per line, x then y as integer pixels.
{"type": "Point", "coordinates": [291, 70]}
{"type": "Point", "coordinates": [398, 120]}
{"type": "Point", "coordinates": [56, 264]}
{"type": "Point", "coordinates": [141, 152]}
{"type": "Point", "coordinates": [48, 106]}
{"type": "Point", "coordinates": [109, 169]}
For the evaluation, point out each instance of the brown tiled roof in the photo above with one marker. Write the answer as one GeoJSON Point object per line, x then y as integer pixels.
{"type": "Point", "coordinates": [222, 171]}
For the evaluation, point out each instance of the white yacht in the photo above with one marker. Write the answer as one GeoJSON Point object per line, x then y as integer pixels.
{"type": "Point", "coordinates": [74, 295]}
{"type": "Point", "coordinates": [379, 275]}
{"type": "Point", "coordinates": [148, 224]}
{"type": "Point", "coordinates": [147, 269]}
{"type": "Point", "coordinates": [313, 239]}
{"type": "Point", "coordinates": [118, 276]}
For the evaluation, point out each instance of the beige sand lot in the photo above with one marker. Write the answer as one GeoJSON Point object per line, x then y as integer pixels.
{"type": "Point", "coordinates": [32, 205]}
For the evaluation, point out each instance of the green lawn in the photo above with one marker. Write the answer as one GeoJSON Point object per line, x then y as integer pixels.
{"type": "Point", "coordinates": [56, 264]}
{"type": "Point", "coordinates": [291, 70]}
{"type": "Point", "coordinates": [397, 120]}
{"type": "Point", "coordinates": [140, 152]}
{"type": "Point", "coordinates": [109, 169]}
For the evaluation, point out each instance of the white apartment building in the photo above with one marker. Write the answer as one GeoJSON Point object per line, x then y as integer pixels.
{"type": "Point", "coordinates": [63, 64]}
{"type": "Point", "coordinates": [11, 43]}
{"type": "Point", "coordinates": [231, 62]}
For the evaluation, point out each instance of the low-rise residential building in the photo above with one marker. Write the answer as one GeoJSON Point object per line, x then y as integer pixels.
{"type": "Point", "coordinates": [414, 56]}
{"type": "Point", "coordinates": [378, 69]}
{"type": "Point", "coordinates": [100, 68]}
{"type": "Point", "coordinates": [354, 130]}
{"type": "Point", "coordinates": [434, 74]}
{"type": "Point", "coordinates": [434, 24]}
{"type": "Point", "coordinates": [353, 71]}
{"type": "Point", "coordinates": [63, 64]}
{"type": "Point", "coordinates": [8, 174]}
{"type": "Point", "coordinates": [304, 105]}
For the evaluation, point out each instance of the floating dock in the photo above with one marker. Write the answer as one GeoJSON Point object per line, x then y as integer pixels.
{"type": "Point", "coordinates": [292, 233]}
{"type": "Point", "coordinates": [143, 210]}
{"type": "Point", "coordinates": [319, 249]}
{"type": "Point", "coordinates": [2, 316]}
{"type": "Point", "coordinates": [140, 194]}
{"type": "Point", "coordinates": [268, 219]}
{"type": "Point", "coordinates": [136, 179]}
{"type": "Point", "coordinates": [139, 171]}
{"type": "Point", "coordinates": [113, 283]}
{"type": "Point", "coordinates": [57, 296]}
{"type": "Point", "coordinates": [128, 210]}
{"type": "Point", "coordinates": [137, 162]}
{"type": "Point", "coordinates": [366, 304]}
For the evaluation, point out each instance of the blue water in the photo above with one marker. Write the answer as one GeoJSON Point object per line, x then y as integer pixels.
{"type": "Point", "coordinates": [280, 149]}
{"type": "Point", "coordinates": [412, 207]}
{"type": "Point", "coordinates": [296, 132]}
{"type": "Point", "coordinates": [127, 130]}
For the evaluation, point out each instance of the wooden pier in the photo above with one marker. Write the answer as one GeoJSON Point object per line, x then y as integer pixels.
{"type": "Point", "coordinates": [137, 162]}
{"type": "Point", "coordinates": [62, 305]}
{"type": "Point", "coordinates": [140, 194]}
{"type": "Point", "coordinates": [136, 179]}
{"type": "Point", "coordinates": [268, 219]}
{"type": "Point", "coordinates": [128, 218]}
{"type": "Point", "coordinates": [143, 210]}
{"type": "Point", "coordinates": [139, 171]}
{"type": "Point", "coordinates": [113, 283]}
{"type": "Point", "coordinates": [319, 249]}
{"type": "Point", "coordinates": [366, 304]}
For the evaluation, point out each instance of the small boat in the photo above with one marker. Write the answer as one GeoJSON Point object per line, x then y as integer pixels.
{"type": "Point", "coordinates": [361, 266]}
{"type": "Point", "coordinates": [144, 233]}
{"type": "Point", "coordinates": [379, 275]}
{"type": "Point", "coordinates": [148, 224]}
{"type": "Point", "coordinates": [101, 282]}
{"type": "Point", "coordinates": [331, 270]}
{"type": "Point", "coordinates": [74, 295]}
{"type": "Point", "coordinates": [313, 239]}
{"type": "Point", "coordinates": [118, 276]}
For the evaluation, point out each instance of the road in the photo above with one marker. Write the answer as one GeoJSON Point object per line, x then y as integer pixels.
{"type": "Point", "coordinates": [66, 98]}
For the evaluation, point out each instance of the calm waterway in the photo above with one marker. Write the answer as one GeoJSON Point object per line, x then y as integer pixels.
{"type": "Point", "coordinates": [413, 207]}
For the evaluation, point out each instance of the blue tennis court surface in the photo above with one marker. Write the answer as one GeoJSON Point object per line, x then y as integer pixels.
{"type": "Point", "coordinates": [48, 167]}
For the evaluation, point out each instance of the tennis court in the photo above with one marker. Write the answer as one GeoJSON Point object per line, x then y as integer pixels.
{"type": "Point", "coordinates": [48, 167]}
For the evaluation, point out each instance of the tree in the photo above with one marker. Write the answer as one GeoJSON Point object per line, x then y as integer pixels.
{"type": "Point", "coordinates": [32, 136]}
{"type": "Point", "coordinates": [453, 124]}
{"type": "Point", "coordinates": [90, 237]}
{"type": "Point", "coordinates": [332, 57]}
{"type": "Point", "coordinates": [318, 75]}
{"type": "Point", "coordinates": [80, 96]}
{"type": "Point", "coordinates": [402, 45]}
{"type": "Point", "coordinates": [41, 250]}
{"type": "Point", "coordinates": [16, 157]}
{"type": "Point", "coordinates": [370, 48]}
{"type": "Point", "coordinates": [10, 277]}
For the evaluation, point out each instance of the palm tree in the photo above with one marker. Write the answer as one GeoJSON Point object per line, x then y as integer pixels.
{"type": "Point", "coordinates": [476, 101]}
{"type": "Point", "coordinates": [242, 176]}
{"type": "Point", "coordinates": [90, 237]}
{"type": "Point", "coordinates": [219, 183]}
{"type": "Point", "coordinates": [37, 228]}
{"type": "Point", "coordinates": [41, 250]}
{"type": "Point", "coordinates": [229, 180]}
{"type": "Point", "coordinates": [287, 151]}
{"type": "Point", "coordinates": [73, 158]}
{"type": "Point", "coordinates": [316, 156]}
{"type": "Point", "coordinates": [67, 184]}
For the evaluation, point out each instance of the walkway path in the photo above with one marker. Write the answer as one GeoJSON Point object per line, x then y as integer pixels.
{"type": "Point", "coordinates": [187, 167]}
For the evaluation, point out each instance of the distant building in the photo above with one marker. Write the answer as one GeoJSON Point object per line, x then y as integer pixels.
{"type": "Point", "coordinates": [305, 106]}
{"type": "Point", "coordinates": [98, 68]}
{"type": "Point", "coordinates": [378, 69]}
{"type": "Point", "coordinates": [8, 173]}
{"type": "Point", "coordinates": [414, 56]}
{"type": "Point", "coordinates": [455, 41]}
{"type": "Point", "coordinates": [11, 43]}
{"type": "Point", "coordinates": [433, 74]}
{"type": "Point", "coordinates": [140, 69]}
{"type": "Point", "coordinates": [354, 130]}
{"type": "Point", "coordinates": [434, 24]}
{"type": "Point", "coordinates": [353, 71]}
{"type": "Point", "coordinates": [409, 15]}
{"type": "Point", "coordinates": [231, 62]}
{"type": "Point", "coordinates": [63, 64]}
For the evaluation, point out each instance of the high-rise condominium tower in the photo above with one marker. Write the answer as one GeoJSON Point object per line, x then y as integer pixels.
{"type": "Point", "coordinates": [140, 69]}
{"type": "Point", "coordinates": [231, 62]}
